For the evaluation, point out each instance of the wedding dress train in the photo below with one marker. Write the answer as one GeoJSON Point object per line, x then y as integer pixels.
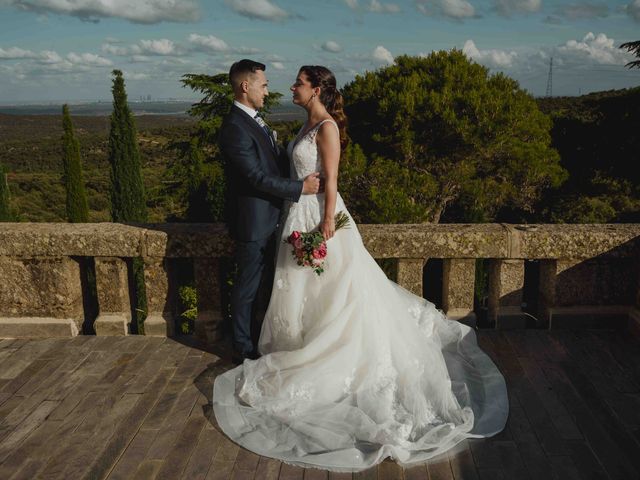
{"type": "Point", "coordinates": [354, 368]}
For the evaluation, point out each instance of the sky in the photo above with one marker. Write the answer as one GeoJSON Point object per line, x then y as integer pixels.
{"type": "Point", "coordinates": [65, 50]}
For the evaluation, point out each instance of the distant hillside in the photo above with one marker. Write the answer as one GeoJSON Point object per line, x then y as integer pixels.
{"type": "Point", "coordinates": [598, 138]}
{"type": "Point", "coordinates": [282, 113]}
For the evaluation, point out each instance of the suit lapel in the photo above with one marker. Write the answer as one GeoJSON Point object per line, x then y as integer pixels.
{"type": "Point", "coordinates": [253, 126]}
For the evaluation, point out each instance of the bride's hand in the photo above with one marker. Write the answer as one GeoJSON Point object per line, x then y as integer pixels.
{"type": "Point", "coordinates": [328, 228]}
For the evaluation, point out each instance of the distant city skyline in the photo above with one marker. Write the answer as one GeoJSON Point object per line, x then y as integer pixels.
{"type": "Point", "coordinates": [64, 51]}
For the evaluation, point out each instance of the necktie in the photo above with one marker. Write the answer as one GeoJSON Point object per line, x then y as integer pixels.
{"type": "Point", "coordinates": [265, 127]}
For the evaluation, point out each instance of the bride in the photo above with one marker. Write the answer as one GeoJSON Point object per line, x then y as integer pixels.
{"type": "Point", "coordinates": [354, 368]}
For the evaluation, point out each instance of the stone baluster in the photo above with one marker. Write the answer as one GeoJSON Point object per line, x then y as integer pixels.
{"type": "Point", "coordinates": [458, 280]}
{"type": "Point", "coordinates": [160, 319]}
{"type": "Point", "coordinates": [112, 286]}
{"type": "Point", "coordinates": [208, 324]}
{"type": "Point", "coordinates": [506, 283]}
{"type": "Point", "coordinates": [547, 290]}
{"type": "Point", "coordinates": [410, 274]}
{"type": "Point", "coordinates": [634, 313]}
{"type": "Point", "coordinates": [40, 297]}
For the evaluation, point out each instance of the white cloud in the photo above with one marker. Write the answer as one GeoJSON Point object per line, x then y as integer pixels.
{"type": "Point", "coordinates": [456, 9]}
{"type": "Point", "coordinates": [140, 58]}
{"type": "Point", "coordinates": [12, 53]}
{"type": "Point", "coordinates": [212, 44]}
{"type": "Point", "coordinates": [331, 46]}
{"type": "Point", "coordinates": [114, 49]}
{"type": "Point", "coordinates": [584, 10]}
{"type": "Point", "coordinates": [573, 55]}
{"type": "Point", "coordinates": [49, 56]}
{"type": "Point", "coordinates": [508, 7]}
{"type": "Point", "coordinates": [146, 12]}
{"type": "Point", "coordinates": [208, 43]}
{"type": "Point", "coordinates": [593, 49]}
{"type": "Point", "coordinates": [377, 7]}
{"type": "Point", "coordinates": [260, 9]}
{"type": "Point", "coordinates": [158, 47]}
{"type": "Point", "coordinates": [633, 10]}
{"type": "Point", "coordinates": [135, 75]}
{"type": "Point", "coordinates": [491, 58]}
{"type": "Point", "coordinates": [374, 6]}
{"type": "Point", "coordinates": [88, 59]}
{"type": "Point", "coordinates": [382, 55]}
{"type": "Point", "coordinates": [277, 65]}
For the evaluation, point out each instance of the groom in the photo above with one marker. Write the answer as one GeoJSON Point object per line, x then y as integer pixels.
{"type": "Point", "coordinates": [257, 183]}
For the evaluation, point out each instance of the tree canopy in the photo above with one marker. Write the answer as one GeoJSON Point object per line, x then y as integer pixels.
{"type": "Point", "coordinates": [6, 214]}
{"type": "Point", "coordinates": [77, 208]}
{"type": "Point", "coordinates": [442, 134]}
{"type": "Point", "coordinates": [127, 190]}
{"type": "Point", "coordinates": [633, 47]}
{"type": "Point", "coordinates": [597, 138]}
{"type": "Point", "coordinates": [197, 174]}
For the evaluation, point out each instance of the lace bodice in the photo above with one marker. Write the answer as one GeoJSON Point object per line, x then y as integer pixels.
{"type": "Point", "coordinates": [303, 152]}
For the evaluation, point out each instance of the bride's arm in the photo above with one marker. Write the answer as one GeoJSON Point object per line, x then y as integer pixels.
{"type": "Point", "coordinates": [328, 140]}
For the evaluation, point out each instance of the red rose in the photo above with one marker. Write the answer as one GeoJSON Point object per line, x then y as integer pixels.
{"type": "Point", "coordinates": [294, 236]}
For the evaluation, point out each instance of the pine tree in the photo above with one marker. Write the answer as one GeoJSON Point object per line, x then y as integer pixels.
{"type": "Point", "coordinates": [127, 189]}
{"type": "Point", "coordinates": [632, 47]}
{"type": "Point", "coordinates": [5, 208]}
{"type": "Point", "coordinates": [77, 208]}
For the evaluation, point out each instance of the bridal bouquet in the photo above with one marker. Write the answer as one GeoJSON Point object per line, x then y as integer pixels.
{"type": "Point", "coordinates": [310, 249]}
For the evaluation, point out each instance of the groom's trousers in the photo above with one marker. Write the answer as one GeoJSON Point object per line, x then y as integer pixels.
{"type": "Point", "coordinates": [254, 263]}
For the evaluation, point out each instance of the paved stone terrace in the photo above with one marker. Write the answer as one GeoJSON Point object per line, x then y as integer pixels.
{"type": "Point", "coordinates": [138, 407]}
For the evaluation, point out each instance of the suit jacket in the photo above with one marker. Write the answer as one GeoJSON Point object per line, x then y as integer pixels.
{"type": "Point", "coordinates": [257, 178]}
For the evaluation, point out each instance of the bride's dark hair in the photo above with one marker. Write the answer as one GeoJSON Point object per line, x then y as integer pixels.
{"type": "Point", "coordinates": [330, 97]}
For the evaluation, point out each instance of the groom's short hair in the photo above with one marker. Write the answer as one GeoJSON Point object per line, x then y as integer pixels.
{"type": "Point", "coordinates": [241, 69]}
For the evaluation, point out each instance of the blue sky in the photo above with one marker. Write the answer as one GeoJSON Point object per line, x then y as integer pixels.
{"type": "Point", "coordinates": [64, 50]}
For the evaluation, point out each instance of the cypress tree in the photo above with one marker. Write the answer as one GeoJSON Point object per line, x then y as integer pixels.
{"type": "Point", "coordinates": [77, 208]}
{"type": "Point", "coordinates": [5, 208]}
{"type": "Point", "coordinates": [127, 190]}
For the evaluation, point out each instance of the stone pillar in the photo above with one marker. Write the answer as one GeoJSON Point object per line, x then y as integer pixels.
{"type": "Point", "coordinates": [634, 313]}
{"type": "Point", "coordinates": [40, 297]}
{"type": "Point", "coordinates": [547, 290]}
{"type": "Point", "coordinates": [458, 281]}
{"type": "Point", "coordinates": [114, 305]}
{"type": "Point", "coordinates": [410, 274]}
{"type": "Point", "coordinates": [208, 324]}
{"type": "Point", "coordinates": [506, 283]}
{"type": "Point", "coordinates": [160, 321]}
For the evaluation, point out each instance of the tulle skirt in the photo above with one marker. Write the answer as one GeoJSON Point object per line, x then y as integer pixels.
{"type": "Point", "coordinates": [355, 368]}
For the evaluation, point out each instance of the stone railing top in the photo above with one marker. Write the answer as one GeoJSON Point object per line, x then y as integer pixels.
{"type": "Point", "coordinates": [383, 241]}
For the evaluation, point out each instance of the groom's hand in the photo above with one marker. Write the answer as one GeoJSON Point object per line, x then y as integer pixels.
{"type": "Point", "coordinates": [311, 184]}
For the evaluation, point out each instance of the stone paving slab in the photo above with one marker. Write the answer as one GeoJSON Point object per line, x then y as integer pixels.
{"type": "Point", "coordinates": [139, 407]}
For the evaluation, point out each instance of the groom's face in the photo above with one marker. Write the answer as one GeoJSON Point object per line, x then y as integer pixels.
{"type": "Point", "coordinates": [257, 89]}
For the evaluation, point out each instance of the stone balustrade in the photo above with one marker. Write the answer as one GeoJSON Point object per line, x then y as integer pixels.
{"type": "Point", "coordinates": [557, 274]}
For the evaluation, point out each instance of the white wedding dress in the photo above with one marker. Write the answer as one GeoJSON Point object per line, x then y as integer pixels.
{"type": "Point", "coordinates": [354, 368]}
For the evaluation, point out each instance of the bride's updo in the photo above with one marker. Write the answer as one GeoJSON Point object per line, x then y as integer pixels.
{"type": "Point", "coordinates": [330, 97]}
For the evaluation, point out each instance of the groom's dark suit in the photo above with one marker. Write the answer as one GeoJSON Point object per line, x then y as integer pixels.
{"type": "Point", "coordinates": [257, 183]}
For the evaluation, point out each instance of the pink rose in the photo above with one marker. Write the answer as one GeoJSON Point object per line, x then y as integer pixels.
{"type": "Point", "coordinates": [297, 242]}
{"type": "Point", "coordinates": [294, 236]}
{"type": "Point", "coordinates": [317, 261]}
